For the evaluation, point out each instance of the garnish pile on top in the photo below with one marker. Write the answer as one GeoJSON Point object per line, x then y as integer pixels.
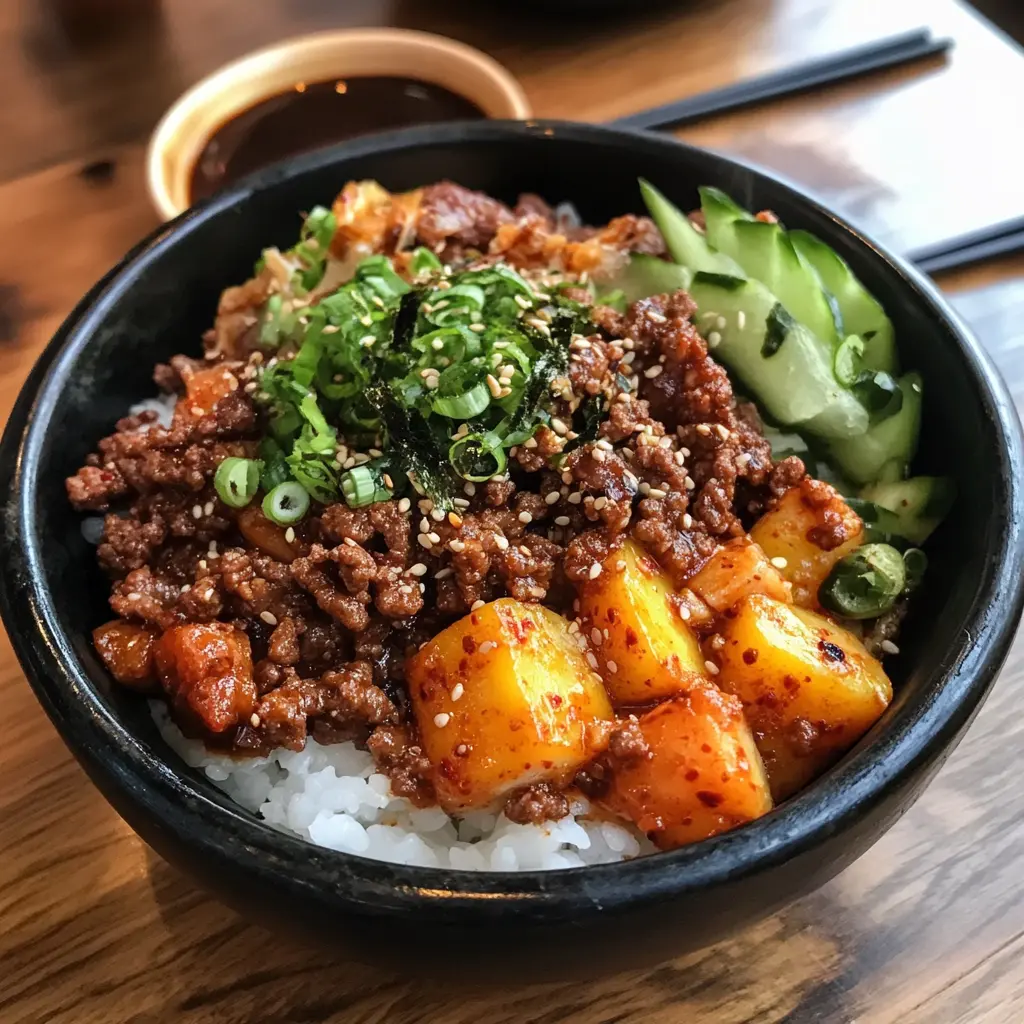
{"type": "Point", "coordinates": [430, 382]}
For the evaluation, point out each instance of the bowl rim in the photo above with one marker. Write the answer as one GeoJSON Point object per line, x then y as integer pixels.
{"type": "Point", "coordinates": [917, 735]}
{"type": "Point", "coordinates": [251, 80]}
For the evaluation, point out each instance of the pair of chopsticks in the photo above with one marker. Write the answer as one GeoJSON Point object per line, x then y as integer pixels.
{"type": "Point", "coordinates": [821, 71]}
{"type": "Point", "coordinates": [987, 243]}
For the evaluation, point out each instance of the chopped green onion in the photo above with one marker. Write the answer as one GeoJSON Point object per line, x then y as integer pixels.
{"type": "Point", "coordinates": [465, 406]}
{"type": "Point", "coordinates": [275, 468]}
{"type": "Point", "coordinates": [362, 486]}
{"type": "Point", "coordinates": [879, 393]}
{"type": "Point", "coordinates": [236, 481]}
{"type": "Point", "coordinates": [866, 583]}
{"type": "Point", "coordinates": [478, 457]}
{"type": "Point", "coordinates": [916, 562]}
{"type": "Point", "coordinates": [287, 503]}
{"type": "Point", "coordinates": [423, 261]}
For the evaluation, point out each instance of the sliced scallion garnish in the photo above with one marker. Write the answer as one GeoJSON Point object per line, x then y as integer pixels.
{"type": "Point", "coordinates": [362, 485]}
{"type": "Point", "coordinates": [465, 406]}
{"type": "Point", "coordinates": [287, 503]}
{"type": "Point", "coordinates": [236, 481]}
{"type": "Point", "coordinates": [478, 457]}
{"type": "Point", "coordinates": [866, 583]}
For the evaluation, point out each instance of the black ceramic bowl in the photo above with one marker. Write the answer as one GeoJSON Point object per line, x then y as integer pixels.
{"type": "Point", "coordinates": [161, 298]}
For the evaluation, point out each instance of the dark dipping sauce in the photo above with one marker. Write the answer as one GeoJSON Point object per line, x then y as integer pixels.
{"type": "Point", "coordinates": [314, 115]}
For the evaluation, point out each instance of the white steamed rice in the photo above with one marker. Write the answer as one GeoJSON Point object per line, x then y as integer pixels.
{"type": "Point", "coordinates": [332, 796]}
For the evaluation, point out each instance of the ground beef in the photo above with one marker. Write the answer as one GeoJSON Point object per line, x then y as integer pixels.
{"type": "Point", "coordinates": [397, 752]}
{"type": "Point", "coordinates": [627, 742]}
{"type": "Point", "coordinates": [534, 804]}
{"type": "Point", "coordinates": [453, 217]}
{"type": "Point", "coordinates": [832, 526]}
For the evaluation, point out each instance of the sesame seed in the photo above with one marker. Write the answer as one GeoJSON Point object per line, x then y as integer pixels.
{"type": "Point", "coordinates": [476, 604]}
{"type": "Point", "coordinates": [779, 562]}
{"type": "Point", "coordinates": [523, 302]}
{"type": "Point", "coordinates": [711, 667]}
{"type": "Point", "coordinates": [424, 525]}
{"type": "Point", "coordinates": [269, 618]}
{"type": "Point", "coordinates": [597, 636]}
{"type": "Point", "coordinates": [493, 386]}
{"type": "Point", "coordinates": [434, 538]}
{"type": "Point", "coordinates": [289, 535]}
{"type": "Point", "coordinates": [457, 691]}
{"type": "Point", "coordinates": [889, 647]}
{"type": "Point", "coordinates": [488, 645]}
{"type": "Point", "coordinates": [455, 519]}
{"type": "Point", "coordinates": [703, 429]}
{"type": "Point", "coordinates": [538, 592]}
{"type": "Point", "coordinates": [419, 569]}
{"type": "Point", "coordinates": [599, 455]}
{"type": "Point", "coordinates": [684, 613]}
{"type": "Point", "coordinates": [720, 323]}
{"type": "Point", "coordinates": [423, 539]}
{"type": "Point", "coordinates": [470, 489]}
{"type": "Point", "coordinates": [722, 430]}
{"type": "Point", "coordinates": [741, 319]}
{"type": "Point", "coordinates": [501, 541]}
{"type": "Point", "coordinates": [658, 318]}
{"type": "Point", "coordinates": [551, 497]}
{"type": "Point", "coordinates": [367, 340]}
{"type": "Point", "coordinates": [478, 328]}
{"type": "Point", "coordinates": [714, 339]}
{"type": "Point", "coordinates": [559, 426]}
{"type": "Point", "coordinates": [656, 492]}
{"type": "Point", "coordinates": [442, 719]}
{"type": "Point", "coordinates": [366, 321]}
{"type": "Point", "coordinates": [254, 720]}
{"type": "Point", "coordinates": [461, 749]}
{"type": "Point", "coordinates": [575, 498]}
{"type": "Point", "coordinates": [611, 666]}
{"type": "Point", "coordinates": [599, 503]}
{"type": "Point", "coordinates": [743, 460]}
{"type": "Point", "coordinates": [653, 371]}
{"type": "Point", "coordinates": [562, 520]}
{"type": "Point", "coordinates": [208, 508]}
{"type": "Point", "coordinates": [591, 659]}
{"type": "Point", "coordinates": [567, 477]}
{"type": "Point", "coordinates": [530, 442]}
{"type": "Point", "coordinates": [690, 485]}
{"type": "Point", "coordinates": [457, 545]}
{"type": "Point", "coordinates": [197, 511]}
{"type": "Point", "coordinates": [687, 520]}
{"type": "Point", "coordinates": [437, 514]}
{"type": "Point", "coordinates": [437, 344]}
{"type": "Point", "coordinates": [604, 445]}
{"type": "Point", "coordinates": [595, 570]}
{"type": "Point", "coordinates": [443, 574]}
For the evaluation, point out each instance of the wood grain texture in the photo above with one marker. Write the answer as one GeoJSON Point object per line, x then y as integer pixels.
{"type": "Point", "coordinates": [927, 928]}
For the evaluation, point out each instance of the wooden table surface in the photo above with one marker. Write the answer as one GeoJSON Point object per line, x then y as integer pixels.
{"type": "Point", "coordinates": [927, 927]}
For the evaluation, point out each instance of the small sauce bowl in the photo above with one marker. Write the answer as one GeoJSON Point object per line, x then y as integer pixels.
{"type": "Point", "coordinates": [184, 131]}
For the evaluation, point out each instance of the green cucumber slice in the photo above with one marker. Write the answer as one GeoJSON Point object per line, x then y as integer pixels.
{"type": "Point", "coordinates": [644, 275]}
{"type": "Point", "coordinates": [888, 446]}
{"type": "Point", "coordinates": [920, 503]}
{"type": "Point", "coordinates": [861, 312]}
{"type": "Point", "coordinates": [685, 243]}
{"type": "Point", "coordinates": [780, 362]}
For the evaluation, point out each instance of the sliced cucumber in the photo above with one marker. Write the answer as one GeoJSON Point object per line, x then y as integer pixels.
{"type": "Point", "coordinates": [765, 252]}
{"type": "Point", "coordinates": [888, 446]}
{"type": "Point", "coordinates": [647, 275]}
{"type": "Point", "coordinates": [784, 365]}
{"type": "Point", "coordinates": [862, 314]}
{"type": "Point", "coordinates": [721, 215]}
{"type": "Point", "coordinates": [880, 525]}
{"type": "Point", "coordinates": [920, 503]}
{"type": "Point", "coordinates": [685, 243]}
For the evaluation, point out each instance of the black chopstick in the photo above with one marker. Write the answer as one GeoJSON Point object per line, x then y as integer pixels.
{"type": "Point", "coordinates": [837, 67]}
{"type": "Point", "coordinates": [973, 247]}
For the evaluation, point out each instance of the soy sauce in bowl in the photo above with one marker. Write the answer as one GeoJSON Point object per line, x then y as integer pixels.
{"type": "Point", "coordinates": [318, 114]}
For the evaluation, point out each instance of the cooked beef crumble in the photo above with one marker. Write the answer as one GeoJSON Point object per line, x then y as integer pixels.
{"type": "Point", "coordinates": [312, 623]}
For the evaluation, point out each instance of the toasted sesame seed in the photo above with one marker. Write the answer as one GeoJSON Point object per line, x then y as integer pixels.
{"type": "Point", "coordinates": [690, 485]}
{"type": "Point", "coordinates": [289, 535]}
{"type": "Point", "coordinates": [457, 545]}
{"type": "Point", "coordinates": [714, 339]}
{"type": "Point", "coordinates": [595, 570]}
{"type": "Point", "coordinates": [476, 604]}
{"type": "Point", "coordinates": [559, 426]}
{"type": "Point", "coordinates": [720, 323]}
{"type": "Point", "coordinates": [656, 492]}
{"type": "Point", "coordinates": [703, 429]}
{"type": "Point", "coordinates": [443, 574]}
{"type": "Point", "coordinates": [350, 542]}
{"type": "Point", "coordinates": [523, 302]}
{"type": "Point", "coordinates": [419, 569]}
{"type": "Point", "coordinates": [487, 646]}
{"type": "Point", "coordinates": [575, 498]}
{"type": "Point", "coordinates": [442, 719]}
{"type": "Point", "coordinates": [722, 430]}
{"type": "Point", "coordinates": [501, 541]}
{"type": "Point", "coordinates": [711, 667]}
{"type": "Point", "coordinates": [437, 514]}
{"type": "Point", "coordinates": [687, 520]}
{"type": "Point", "coordinates": [779, 562]}
{"type": "Point", "coordinates": [434, 538]}
{"type": "Point", "coordinates": [562, 520]}
{"type": "Point", "coordinates": [530, 442]}
{"type": "Point", "coordinates": [591, 659]}
{"type": "Point", "coordinates": [423, 539]}
{"type": "Point", "coordinates": [366, 321]}
{"type": "Point", "coordinates": [208, 508]}
{"type": "Point", "coordinates": [599, 454]}
{"type": "Point", "coordinates": [657, 317]}
{"type": "Point", "coordinates": [684, 613]}
{"type": "Point", "coordinates": [457, 691]}
{"type": "Point", "coordinates": [525, 517]}
{"type": "Point", "coordinates": [889, 647]}
{"type": "Point", "coordinates": [469, 488]}
{"type": "Point", "coordinates": [653, 371]}
{"type": "Point", "coordinates": [367, 340]}
{"type": "Point", "coordinates": [197, 511]}
{"type": "Point", "coordinates": [538, 592]}
{"type": "Point", "coordinates": [551, 497]}
{"type": "Point", "coordinates": [493, 386]}
{"type": "Point", "coordinates": [597, 636]}
{"type": "Point", "coordinates": [478, 328]}
{"type": "Point", "coordinates": [611, 666]}
{"type": "Point", "coordinates": [599, 503]}
{"type": "Point", "coordinates": [269, 618]}
{"type": "Point", "coordinates": [741, 319]}
{"type": "Point", "coordinates": [437, 344]}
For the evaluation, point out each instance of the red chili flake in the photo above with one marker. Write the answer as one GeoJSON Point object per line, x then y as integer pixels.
{"type": "Point", "coordinates": [468, 644]}
{"type": "Point", "coordinates": [709, 799]}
